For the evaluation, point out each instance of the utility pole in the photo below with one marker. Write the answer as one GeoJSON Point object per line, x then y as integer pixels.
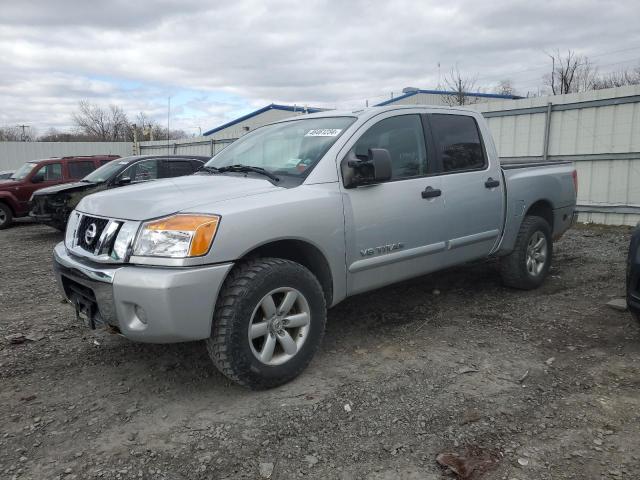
{"type": "Point", "coordinates": [136, 148]}
{"type": "Point", "coordinates": [23, 136]}
{"type": "Point", "coordinates": [168, 117]}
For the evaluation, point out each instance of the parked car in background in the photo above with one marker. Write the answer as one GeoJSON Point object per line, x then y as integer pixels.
{"type": "Point", "coordinates": [16, 191]}
{"type": "Point", "coordinates": [633, 274]}
{"type": "Point", "coordinates": [298, 215]}
{"type": "Point", "coordinates": [53, 205]}
{"type": "Point", "coordinates": [5, 174]}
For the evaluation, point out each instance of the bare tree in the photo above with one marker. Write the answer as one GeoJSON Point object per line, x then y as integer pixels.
{"type": "Point", "coordinates": [148, 129]}
{"type": "Point", "coordinates": [570, 73]}
{"type": "Point", "coordinates": [618, 79]}
{"type": "Point", "coordinates": [54, 135]}
{"type": "Point", "coordinates": [460, 87]}
{"type": "Point", "coordinates": [505, 87]}
{"type": "Point", "coordinates": [98, 123]}
{"type": "Point", "coordinates": [18, 133]}
{"type": "Point", "coordinates": [10, 134]}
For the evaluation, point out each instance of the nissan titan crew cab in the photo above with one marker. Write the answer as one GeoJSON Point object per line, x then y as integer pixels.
{"type": "Point", "coordinates": [249, 253]}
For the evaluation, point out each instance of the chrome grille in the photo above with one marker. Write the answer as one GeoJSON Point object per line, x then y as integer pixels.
{"type": "Point", "coordinates": [109, 240]}
{"type": "Point", "coordinates": [96, 235]}
{"type": "Point", "coordinates": [89, 232]}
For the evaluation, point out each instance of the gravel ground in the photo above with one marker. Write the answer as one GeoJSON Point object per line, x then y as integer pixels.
{"type": "Point", "coordinates": [530, 385]}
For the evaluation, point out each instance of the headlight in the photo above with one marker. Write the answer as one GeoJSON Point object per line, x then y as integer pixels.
{"type": "Point", "coordinates": [72, 225]}
{"type": "Point", "coordinates": [177, 236]}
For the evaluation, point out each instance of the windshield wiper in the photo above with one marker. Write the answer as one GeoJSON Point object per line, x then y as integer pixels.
{"type": "Point", "coordinates": [208, 169]}
{"type": "Point", "coordinates": [249, 168]}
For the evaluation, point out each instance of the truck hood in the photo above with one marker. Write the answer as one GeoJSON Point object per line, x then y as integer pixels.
{"type": "Point", "coordinates": [164, 197]}
{"type": "Point", "coordinates": [64, 188]}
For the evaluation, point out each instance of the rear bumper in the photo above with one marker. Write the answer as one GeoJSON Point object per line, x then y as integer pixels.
{"type": "Point", "coordinates": [564, 218]}
{"type": "Point", "coordinates": [147, 304]}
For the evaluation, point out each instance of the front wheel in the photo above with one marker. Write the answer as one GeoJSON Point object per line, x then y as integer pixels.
{"type": "Point", "coordinates": [528, 264]}
{"type": "Point", "coordinates": [268, 323]}
{"type": "Point", "coordinates": [6, 216]}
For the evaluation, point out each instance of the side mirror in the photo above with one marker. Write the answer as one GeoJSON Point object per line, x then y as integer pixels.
{"type": "Point", "coordinates": [37, 179]}
{"type": "Point", "coordinates": [374, 169]}
{"type": "Point", "coordinates": [123, 181]}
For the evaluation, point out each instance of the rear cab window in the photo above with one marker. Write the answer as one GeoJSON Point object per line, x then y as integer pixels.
{"type": "Point", "coordinates": [178, 168]}
{"type": "Point", "coordinates": [457, 142]}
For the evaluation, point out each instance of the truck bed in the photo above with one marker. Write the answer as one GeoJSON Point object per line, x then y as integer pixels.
{"type": "Point", "coordinates": [541, 184]}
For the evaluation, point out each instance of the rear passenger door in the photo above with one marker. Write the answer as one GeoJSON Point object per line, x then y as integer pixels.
{"type": "Point", "coordinates": [472, 186]}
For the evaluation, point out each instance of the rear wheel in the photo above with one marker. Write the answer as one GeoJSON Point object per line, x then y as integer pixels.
{"type": "Point", "coordinates": [268, 323]}
{"type": "Point", "coordinates": [6, 216]}
{"type": "Point", "coordinates": [528, 264]}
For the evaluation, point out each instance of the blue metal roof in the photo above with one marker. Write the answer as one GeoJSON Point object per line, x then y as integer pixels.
{"type": "Point", "coordinates": [273, 106]}
{"type": "Point", "coordinates": [444, 92]}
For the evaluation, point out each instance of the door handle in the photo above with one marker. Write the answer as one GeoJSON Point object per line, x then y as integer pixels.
{"type": "Point", "coordinates": [491, 183]}
{"type": "Point", "coordinates": [430, 192]}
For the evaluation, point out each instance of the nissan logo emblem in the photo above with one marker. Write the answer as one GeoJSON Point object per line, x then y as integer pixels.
{"type": "Point", "coordinates": [90, 234]}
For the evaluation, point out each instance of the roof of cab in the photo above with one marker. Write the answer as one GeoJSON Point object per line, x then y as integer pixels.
{"type": "Point", "coordinates": [73, 157]}
{"type": "Point", "coordinates": [372, 111]}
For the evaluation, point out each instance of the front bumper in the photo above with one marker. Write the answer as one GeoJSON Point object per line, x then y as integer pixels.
{"type": "Point", "coordinates": [146, 304]}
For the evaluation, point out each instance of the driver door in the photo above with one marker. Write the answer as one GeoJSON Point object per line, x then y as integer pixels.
{"type": "Point", "coordinates": [394, 229]}
{"type": "Point", "coordinates": [47, 175]}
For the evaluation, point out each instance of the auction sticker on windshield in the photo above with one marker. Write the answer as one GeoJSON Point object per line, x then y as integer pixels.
{"type": "Point", "coordinates": [324, 132]}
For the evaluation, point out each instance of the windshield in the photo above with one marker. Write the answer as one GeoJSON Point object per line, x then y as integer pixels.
{"type": "Point", "coordinates": [105, 172]}
{"type": "Point", "coordinates": [288, 148]}
{"type": "Point", "coordinates": [23, 171]}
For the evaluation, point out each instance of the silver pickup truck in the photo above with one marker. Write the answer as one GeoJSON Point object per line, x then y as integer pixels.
{"type": "Point", "coordinates": [294, 217]}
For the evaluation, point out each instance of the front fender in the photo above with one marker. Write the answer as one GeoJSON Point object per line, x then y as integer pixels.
{"type": "Point", "coordinates": [9, 199]}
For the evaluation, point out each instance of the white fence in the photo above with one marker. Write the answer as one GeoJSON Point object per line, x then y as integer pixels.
{"type": "Point", "coordinates": [192, 146]}
{"type": "Point", "coordinates": [598, 130]}
{"type": "Point", "coordinates": [14, 154]}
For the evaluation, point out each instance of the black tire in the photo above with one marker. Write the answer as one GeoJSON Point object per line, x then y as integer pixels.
{"type": "Point", "coordinates": [629, 278]}
{"type": "Point", "coordinates": [240, 298]}
{"type": "Point", "coordinates": [6, 216]}
{"type": "Point", "coordinates": [513, 267]}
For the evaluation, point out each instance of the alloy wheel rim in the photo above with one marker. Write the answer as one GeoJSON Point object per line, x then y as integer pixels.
{"type": "Point", "coordinates": [536, 253]}
{"type": "Point", "coordinates": [279, 326]}
{"type": "Point", "coordinates": [3, 217]}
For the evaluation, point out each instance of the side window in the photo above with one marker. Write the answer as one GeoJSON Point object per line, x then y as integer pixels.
{"type": "Point", "coordinates": [50, 172]}
{"type": "Point", "coordinates": [457, 142]}
{"type": "Point", "coordinates": [178, 168]}
{"type": "Point", "coordinates": [143, 171]}
{"type": "Point", "coordinates": [403, 137]}
{"type": "Point", "coordinates": [80, 169]}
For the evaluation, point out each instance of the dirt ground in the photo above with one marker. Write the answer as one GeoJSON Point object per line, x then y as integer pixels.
{"type": "Point", "coordinates": [539, 385]}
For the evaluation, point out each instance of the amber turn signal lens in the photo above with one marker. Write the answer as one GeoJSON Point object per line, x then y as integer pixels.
{"type": "Point", "coordinates": [204, 228]}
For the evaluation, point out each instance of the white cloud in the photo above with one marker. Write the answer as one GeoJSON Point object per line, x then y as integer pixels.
{"type": "Point", "coordinates": [217, 60]}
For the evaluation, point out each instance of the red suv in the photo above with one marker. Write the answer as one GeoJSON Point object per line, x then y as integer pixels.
{"type": "Point", "coordinates": [16, 191]}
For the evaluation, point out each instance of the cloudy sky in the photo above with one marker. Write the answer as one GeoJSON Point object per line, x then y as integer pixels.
{"type": "Point", "coordinates": [218, 60]}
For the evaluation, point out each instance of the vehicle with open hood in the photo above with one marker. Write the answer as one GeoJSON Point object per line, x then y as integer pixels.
{"type": "Point", "coordinates": [53, 205]}
{"type": "Point", "coordinates": [16, 191]}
